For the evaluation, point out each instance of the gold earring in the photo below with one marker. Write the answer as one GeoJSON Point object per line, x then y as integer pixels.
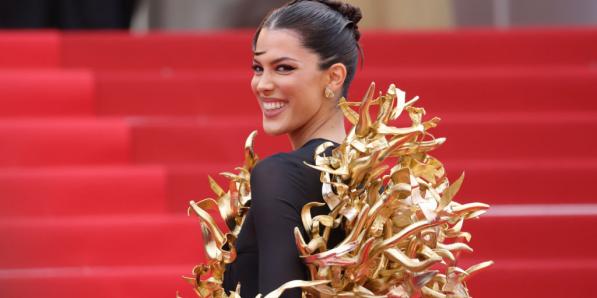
{"type": "Point", "coordinates": [329, 93]}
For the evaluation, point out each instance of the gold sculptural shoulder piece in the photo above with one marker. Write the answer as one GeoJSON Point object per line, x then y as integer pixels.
{"type": "Point", "coordinates": [392, 199]}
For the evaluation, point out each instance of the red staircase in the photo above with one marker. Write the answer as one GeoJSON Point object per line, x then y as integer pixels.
{"type": "Point", "coordinates": [107, 136]}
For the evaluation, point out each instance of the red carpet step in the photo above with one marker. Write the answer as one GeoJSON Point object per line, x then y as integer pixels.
{"type": "Point", "coordinates": [523, 279]}
{"type": "Point", "coordinates": [175, 93]}
{"type": "Point", "coordinates": [115, 50]}
{"type": "Point", "coordinates": [469, 136]}
{"type": "Point", "coordinates": [490, 89]}
{"type": "Point", "coordinates": [30, 49]}
{"type": "Point", "coordinates": [41, 93]}
{"type": "Point", "coordinates": [147, 240]}
{"type": "Point", "coordinates": [492, 182]}
{"type": "Point", "coordinates": [516, 279]}
{"type": "Point", "coordinates": [386, 49]}
{"type": "Point", "coordinates": [109, 240]}
{"type": "Point", "coordinates": [54, 142]}
{"type": "Point", "coordinates": [536, 237]}
{"type": "Point", "coordinates": [541, 274]}
{"type": "Point", "coordinates": [97, 282]}
{"type": "Point", "coordinates": [119, 50]}
{"type": "Point", "coordinates": [78, 191]}
{"type": "Point", "coordinates": [546, 181]}
{"type": "Point", "coordinates": [482, 47]}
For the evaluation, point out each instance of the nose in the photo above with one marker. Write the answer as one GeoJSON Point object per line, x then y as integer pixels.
{"type": "Point", "coordinates": [264, 85]}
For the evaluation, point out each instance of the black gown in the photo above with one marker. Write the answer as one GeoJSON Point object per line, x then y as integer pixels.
{"type": "Point", "coordinates": [267, 255]}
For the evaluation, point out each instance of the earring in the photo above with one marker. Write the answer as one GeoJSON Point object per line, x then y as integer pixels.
{"type": "Point", "coordinates": [328, 93]}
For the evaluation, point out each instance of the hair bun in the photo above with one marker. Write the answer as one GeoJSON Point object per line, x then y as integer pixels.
{"type": "Point", "coordinates": [350, 12]}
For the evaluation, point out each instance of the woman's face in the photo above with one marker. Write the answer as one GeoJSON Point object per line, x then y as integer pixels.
{"type": "Point", "coordinates": [287, 81]}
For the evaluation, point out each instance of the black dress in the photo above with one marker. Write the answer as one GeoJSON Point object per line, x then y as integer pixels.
{"type": "Point", "coordinates": [267, 255]}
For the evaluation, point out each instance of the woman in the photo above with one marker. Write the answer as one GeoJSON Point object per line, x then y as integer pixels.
{"type": "Point", "coordinates": [305, 57]}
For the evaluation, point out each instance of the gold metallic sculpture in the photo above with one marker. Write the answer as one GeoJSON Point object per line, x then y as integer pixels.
{"type": "Point", "coordinates": [391, 198]}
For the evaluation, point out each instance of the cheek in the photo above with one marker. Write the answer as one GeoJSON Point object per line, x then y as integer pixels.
{"type": "Point", "coordinates": [310, 94]}
{"type": "Point", "coordinates": [303, 92]}
{"type": "Point", "coordinates": [305, 105]}
{"type": "Point", "coordinates": [298, 88]}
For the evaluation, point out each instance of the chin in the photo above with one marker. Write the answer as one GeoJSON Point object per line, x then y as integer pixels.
{"type": "Point", "coordinates": [272, 129]}
{"type": "Point", "coordinates": [273, 132]}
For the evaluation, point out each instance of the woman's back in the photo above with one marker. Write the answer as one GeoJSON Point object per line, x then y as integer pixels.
{"type": "Point", "coordinates": [267, 254]}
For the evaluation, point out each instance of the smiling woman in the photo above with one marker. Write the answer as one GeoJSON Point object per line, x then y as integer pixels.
{"type": "Point", "coordinates": [364, 214]}
{"type": "Point", "coordinates": [305, 56]}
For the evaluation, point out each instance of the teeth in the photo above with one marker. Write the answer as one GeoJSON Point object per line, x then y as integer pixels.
{"type": "Point", "coordinates": [273, 105]}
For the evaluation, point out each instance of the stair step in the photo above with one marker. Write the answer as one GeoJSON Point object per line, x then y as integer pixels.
{"type": "Point", "coordinates": [175, 94]}
{"type": "Point", "coordinates": [203, 140]}
{"type": "Point", "coordinates": [497, 182]}
{"type": "Point", "coordinates": [42, 93]}
{"type": "Point", "coordinates": [135, 240]}
{"type": "Point", "coordinates": [525, 181]}
{"type": "Point", "coordinates": [124, 240]}
{"type": "Point", "coordinates": [228, 93]}
{"type": "Point", "coordinates": [518, 135]}
{"type": "Point", "coordinates": [537, 237]}
{"type": "Point", "coordinates": [502, 89]}
{"type": "Point", "coordinates": [535, 278]}
{"type": "Point", "coordinates": [96, 282]}
{"type": "Point", "coordinates": [121, 50]}
{"type": "Point", "coordinates": [532, 136]}
{"type": "Point", "coordinates": [461, 48]}
{"type": "Point", "coordinates": [79, 191]}
{"type": "Point", "coordinates": [29, 49]}
{"type": "Point", "coordinates": [480, 47]}
{"type": "Point", "coordinates": [517, 279]}
{"type": "Point", "coordinates": [63, 141]}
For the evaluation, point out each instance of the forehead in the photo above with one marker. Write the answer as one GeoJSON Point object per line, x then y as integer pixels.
{"type": "Point", "coordinates": [280, 42]}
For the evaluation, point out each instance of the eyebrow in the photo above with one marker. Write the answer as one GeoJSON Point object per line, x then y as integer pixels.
{"type": "Point", "coordinates": [278, 60]}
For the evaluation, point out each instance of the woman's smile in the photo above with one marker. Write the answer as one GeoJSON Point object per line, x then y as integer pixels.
{"type": "Point", "coordinates": [272, 107]}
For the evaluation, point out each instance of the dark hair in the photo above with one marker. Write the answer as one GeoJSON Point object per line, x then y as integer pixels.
{"type": "Point", "coordinates": [327, 27]}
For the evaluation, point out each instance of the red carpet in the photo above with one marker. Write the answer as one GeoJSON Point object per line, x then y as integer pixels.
{"type": "Point", "coordinates": [47, 93]}
{"type": "Point", "coordinates": [85, 190]}
{"type": "Point", "coordinates": [64, 141]}
{"type": "Point", "coordinates": [106, 137]}
{"type": "Point", "coordinates": [491, 89]}
{"type": "Point", "coordinates": [31, 49]}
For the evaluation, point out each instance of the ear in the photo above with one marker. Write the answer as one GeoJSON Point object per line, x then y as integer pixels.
{"type": "Point", "coordinates": [336, 76]}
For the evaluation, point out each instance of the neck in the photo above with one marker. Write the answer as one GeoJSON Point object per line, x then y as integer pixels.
{"type": "Point", "coordinates": [329, 128]}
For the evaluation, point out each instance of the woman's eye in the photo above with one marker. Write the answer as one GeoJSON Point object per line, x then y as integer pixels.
{"type": "Point", "coordinates": [257, 69]}
{"type": "Point", "coordinates": [280, 68]}
{"type": "Point", "coordinates": [284, 68]}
